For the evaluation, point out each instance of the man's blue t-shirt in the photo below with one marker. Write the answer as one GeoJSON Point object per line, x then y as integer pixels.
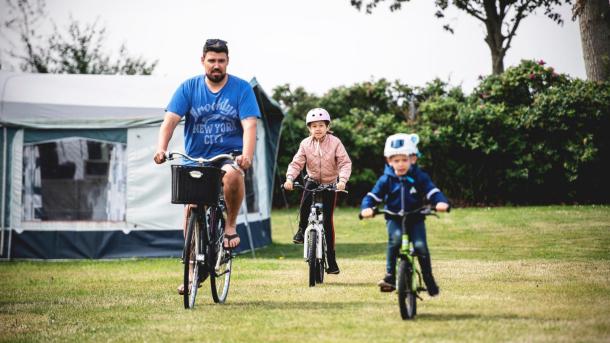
{"type": "Point", "coordinates": [213, 120]}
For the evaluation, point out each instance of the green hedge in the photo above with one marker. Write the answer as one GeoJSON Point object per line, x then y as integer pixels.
{"type": "Point", "coordinates": [527, 136]}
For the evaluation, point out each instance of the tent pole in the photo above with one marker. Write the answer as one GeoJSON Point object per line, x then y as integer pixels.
{"type": "Point", "coordinates": [244, 211]}
{"type": "Point", "coordinates": [2, 211]}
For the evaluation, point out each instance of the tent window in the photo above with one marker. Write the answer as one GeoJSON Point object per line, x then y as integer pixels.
{"type": "Point", "coordinates": [251, 191]}
{"type": "Point", "coordinates": [74, 179]}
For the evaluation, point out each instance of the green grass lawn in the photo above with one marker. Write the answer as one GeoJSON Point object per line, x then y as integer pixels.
{"type": "Point", "coordinates": [506, 274]}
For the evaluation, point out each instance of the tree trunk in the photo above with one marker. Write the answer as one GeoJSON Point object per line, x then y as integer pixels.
{"type": "Point", "coordinates": [594, 21]}
{"type": "Point", "coordinates": [494, 38]}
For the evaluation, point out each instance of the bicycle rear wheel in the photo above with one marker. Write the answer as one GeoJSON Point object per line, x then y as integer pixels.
{"type": "Point", "coordinates": [407, 300]}
{"type": "Point", "coordinates": [191, 266]}
{"type": "Point", "coordinates": [311, 257]}
{"type": "Point", "coordinates": [220, 260]}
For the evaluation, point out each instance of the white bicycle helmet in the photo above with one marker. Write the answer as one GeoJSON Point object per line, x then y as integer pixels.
{"type": "Point", "coordinates": [401, 144]}
{"type": "Point", "coordinates": [317, 114]}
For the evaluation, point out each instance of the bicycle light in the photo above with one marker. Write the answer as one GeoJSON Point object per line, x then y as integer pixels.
{"type": "Point", "coordinates": [195, 174]}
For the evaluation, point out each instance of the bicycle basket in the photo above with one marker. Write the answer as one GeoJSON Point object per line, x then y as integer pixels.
{"type": "Point", "coordinates": [196, 185]}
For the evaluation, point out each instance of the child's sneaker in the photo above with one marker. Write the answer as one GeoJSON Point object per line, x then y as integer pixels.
{"type": "Point", "coordinates": [387, 284]}
{"type": "Point", "coordinates": [333, 268]}
{"type": "Point", "coordinates": [431, 285]}
{"type": "Point", "coordinates": [298, 238]}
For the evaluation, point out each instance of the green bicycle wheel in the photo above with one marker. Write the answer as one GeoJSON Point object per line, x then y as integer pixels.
{"type": "Point", "coordinates": [407, 300]}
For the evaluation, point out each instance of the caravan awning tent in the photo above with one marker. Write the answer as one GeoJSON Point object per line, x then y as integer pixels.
{"type": "Point", "coordinates": [78, 179]}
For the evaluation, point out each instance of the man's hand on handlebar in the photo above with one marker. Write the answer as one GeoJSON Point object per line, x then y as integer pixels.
{"type": "Point", "coordinates": [160, 156]}
{"type": "Point", "coordinates": [243, 161]}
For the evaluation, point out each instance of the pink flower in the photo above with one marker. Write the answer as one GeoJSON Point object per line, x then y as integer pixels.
{"type": "Point", "coordinates": [541, 62]}
{"type": "Point", "coordinates": [532, 76]}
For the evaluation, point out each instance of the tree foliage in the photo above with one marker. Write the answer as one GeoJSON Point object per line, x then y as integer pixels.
{"type": "Point", "coordinates": [77, 49]}
{"type": "Point", "coordinates": [500, 18]}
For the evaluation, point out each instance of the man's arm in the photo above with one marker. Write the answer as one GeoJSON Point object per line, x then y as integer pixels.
{"type": "Point", "coordinates": [166, 131]}
{"type": "Point", "coordinates": [249, 126]}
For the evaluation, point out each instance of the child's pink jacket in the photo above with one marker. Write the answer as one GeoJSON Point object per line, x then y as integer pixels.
{"type": "Point", "coordinates": [324, 160]}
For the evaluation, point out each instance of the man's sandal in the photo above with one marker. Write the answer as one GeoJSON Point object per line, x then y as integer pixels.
{"type": "Point", "coordinates": [181, 288]}
{"type": "Point", "coordinates": [229, 238]}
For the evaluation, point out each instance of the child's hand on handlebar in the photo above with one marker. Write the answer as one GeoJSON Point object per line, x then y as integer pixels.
{"type": "Point", "coordinates": [367, 213]}
{"type": "Point", "coordinates": [442, 207]}
{"type": "Point", "coordinates": [288, 185]}
{"type": "Point", "coordinates": [341, 186]}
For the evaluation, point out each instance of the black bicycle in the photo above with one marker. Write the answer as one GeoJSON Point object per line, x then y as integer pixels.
{"type": "Point", "coordinates": [314, 245]}
{"type": "Point", "coordinates": [408, 277]}
{"type": "Point", "coordinates": [204, 253]}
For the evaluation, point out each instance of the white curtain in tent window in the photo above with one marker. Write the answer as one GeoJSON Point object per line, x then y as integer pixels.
{"type": "Point", "coordinates": [32, 183]}
{"type": "Point", "coordinates": [116, 201]}
{"type": "Point", "coordinates": [73, 150]}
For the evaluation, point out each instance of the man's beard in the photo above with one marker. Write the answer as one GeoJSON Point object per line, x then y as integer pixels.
{"type": "Point", "coordinates": [216, 78]}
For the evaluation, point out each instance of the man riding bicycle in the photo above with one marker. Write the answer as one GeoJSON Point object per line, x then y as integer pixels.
{"type": "Point", "coordinates": [220, 112]}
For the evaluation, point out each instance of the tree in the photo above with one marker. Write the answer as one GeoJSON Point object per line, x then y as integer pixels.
{"type": "Point", "coordinates": [594, 21]}
{"type": "Point", "coordinates": [500, 17]}
{"type": "Point", "coordinates": [77, 50]}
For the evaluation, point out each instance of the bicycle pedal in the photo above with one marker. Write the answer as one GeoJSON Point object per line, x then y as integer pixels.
{"type": "Point", "coordinates": [385, 289]}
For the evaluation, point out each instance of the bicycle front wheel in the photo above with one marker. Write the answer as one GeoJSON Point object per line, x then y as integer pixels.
{"type": "Point", "coordinates": [407, 300]}
{"type": "Point", "coordinates": [320, 265]}
{"type": "Point", "coordinates": [191, 265]}
{"type": "Point", "coordinates": [220, 259]}
{"type": "Point", "coordinates": [311, 257]}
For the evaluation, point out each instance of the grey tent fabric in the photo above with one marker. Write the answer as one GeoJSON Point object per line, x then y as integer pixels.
{"type": "Point", "coordinates": [39, 109]}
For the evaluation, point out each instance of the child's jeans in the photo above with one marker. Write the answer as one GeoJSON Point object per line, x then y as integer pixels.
{"type": "Point", "coordinates": [329, 200]}
{"type": "Point", "coordinates": [417, 233]}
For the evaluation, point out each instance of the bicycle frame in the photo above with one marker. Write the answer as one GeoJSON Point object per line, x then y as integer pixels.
{"type": "Point", "coordinates": [407, 253]}
{"type": "Point", "coordinates": [316, 223]}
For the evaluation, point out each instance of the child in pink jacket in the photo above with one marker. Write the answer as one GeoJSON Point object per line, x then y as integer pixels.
{"type": "Point", "coordinates": [326, 161]}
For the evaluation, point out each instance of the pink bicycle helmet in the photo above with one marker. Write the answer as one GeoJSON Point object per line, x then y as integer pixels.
{"type": "Point", "coordinates": [317, 114]}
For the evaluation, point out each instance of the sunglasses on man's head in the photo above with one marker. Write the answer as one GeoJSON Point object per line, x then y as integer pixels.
{"type": "Point", "coordinates": [217, 43]}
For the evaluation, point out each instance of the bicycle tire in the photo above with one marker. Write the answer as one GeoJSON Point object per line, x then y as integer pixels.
{"type": "Point", "coordinates": [220, 279]}
{"type": "Point", "coordinates": [311, 257]}
{"type": "Point", "coordinates": [191, 266]}
{"type": "Point", "coordinates": [320, 265]}
{"type": "Point", "coordinates": [407, 299]}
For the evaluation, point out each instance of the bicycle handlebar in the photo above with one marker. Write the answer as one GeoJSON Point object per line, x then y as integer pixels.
{"type": "Point", "coordinates": [426, 210]}
{"type": "Point", "coordinates": [329, 187]}
{"type": "Point", "coordinates": [200, 160]}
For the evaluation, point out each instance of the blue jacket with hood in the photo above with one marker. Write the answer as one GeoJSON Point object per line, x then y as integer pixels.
{"type": "Point", "coordinates": [403, 192]}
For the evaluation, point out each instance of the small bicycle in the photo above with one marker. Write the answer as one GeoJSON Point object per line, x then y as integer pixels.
{"type": "Point", "coordinates": [204, 254]}
{"type": "Point", "coordinates": [314, 245]}
{"type": "Point", "coordinates": [408, 277]}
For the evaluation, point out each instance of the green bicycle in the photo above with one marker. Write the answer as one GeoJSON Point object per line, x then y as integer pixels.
{"type": "Point", "coordinates": [408, 277]}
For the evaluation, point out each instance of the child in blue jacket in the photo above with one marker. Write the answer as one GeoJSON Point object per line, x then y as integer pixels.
{"type": "Point", "coordinates": [403, 186]}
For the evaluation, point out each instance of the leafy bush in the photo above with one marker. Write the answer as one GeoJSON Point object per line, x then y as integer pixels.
{"type": "Point", "coordinates": [527, 136]}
